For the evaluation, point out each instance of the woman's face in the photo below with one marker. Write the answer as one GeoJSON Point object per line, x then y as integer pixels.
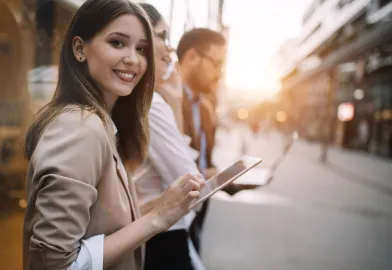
{"type": "Point", "coordinates": [162, 50]}
{"type": "Point", "coordinates": [116, 57]}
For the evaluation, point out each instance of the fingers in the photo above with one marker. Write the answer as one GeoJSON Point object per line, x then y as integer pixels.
{"type": "Point", "coordinates": [194, 194]}
{"type": "Point", "coordinates": [200, 179]}
{"type": "Point", "coordinates": [183, 180]}
{"type": "Point", "coordinates": [189, 185]}
{"type": "Point", "coordinates": [192, 185]}
{"type": "Point", "coordinates": [192, 182]}
{"type": "Point", "coordinates": [191, 197]}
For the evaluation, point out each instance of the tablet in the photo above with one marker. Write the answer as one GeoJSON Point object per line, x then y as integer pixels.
{"type": "Point", "coordinates": [226, 177]}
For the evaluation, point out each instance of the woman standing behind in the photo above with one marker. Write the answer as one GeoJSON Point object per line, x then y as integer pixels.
{"type": "Point", "coordinates": [82, 213]}
{"type": "Point", "coordinates": [168, 156]}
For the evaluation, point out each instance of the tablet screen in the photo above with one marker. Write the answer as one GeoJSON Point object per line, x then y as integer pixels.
{"type": "Point", "coordinates": [227, 176]}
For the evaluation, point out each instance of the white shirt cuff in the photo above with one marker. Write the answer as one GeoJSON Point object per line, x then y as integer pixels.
{"type": "Point", "coordinates": [90, 255]}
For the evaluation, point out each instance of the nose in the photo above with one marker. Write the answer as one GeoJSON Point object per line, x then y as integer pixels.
{"type": "Point", "coordinates": [132, 58]}
{"type": "Point", "coordinates": [170, 48]}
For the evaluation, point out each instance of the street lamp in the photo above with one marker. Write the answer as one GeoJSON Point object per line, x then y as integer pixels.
{"type": "Point", "coordinates": [358, 94]}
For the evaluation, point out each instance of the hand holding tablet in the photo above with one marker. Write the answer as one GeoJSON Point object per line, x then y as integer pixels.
{"type": "Point", "coordinates": [226, 177]}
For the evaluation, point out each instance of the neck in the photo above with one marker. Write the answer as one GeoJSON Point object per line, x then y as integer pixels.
{"type": "Point", "coordinates": [110, 102]}
{"type": "Point", "coordinates": [186, 80]}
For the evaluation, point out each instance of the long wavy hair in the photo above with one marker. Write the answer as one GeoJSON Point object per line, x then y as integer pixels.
{"type": "Point", "coordinates": [76, 87]}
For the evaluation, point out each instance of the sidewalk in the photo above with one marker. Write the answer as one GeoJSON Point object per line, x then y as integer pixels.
{"type": "Point", "coordinates": [331, 223]}
{"type": "Point", "coordinates": [366, 168]}
{"type": "Point", "coordinates": [303, 178]}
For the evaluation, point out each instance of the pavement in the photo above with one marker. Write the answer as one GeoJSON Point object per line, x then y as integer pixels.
{"type": "Point", "coordinates": [323, 216]}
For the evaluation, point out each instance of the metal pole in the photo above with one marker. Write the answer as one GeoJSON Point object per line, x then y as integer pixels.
{"type": "Point", "coordinates": [209, 13]}
{"type": "Point", "coordinates": [171, 16]}
{"type": "Point", "coordinates": [328, 134]}
{"type": "Point", "coordinates": [220, 14]}
{"type": "Point", "coordinates": [187, 25]}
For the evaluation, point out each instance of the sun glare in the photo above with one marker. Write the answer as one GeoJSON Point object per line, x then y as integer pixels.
{"type": "Point", "coordinates": [256, 30]}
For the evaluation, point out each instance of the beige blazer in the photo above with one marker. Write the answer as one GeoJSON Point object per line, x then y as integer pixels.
{"type": "Point", "coordinates": [77, 188]}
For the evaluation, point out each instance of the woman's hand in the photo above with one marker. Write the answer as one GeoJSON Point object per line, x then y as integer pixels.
{"type": "Point", "coordinates": [171, 89]}
{"type": "Point", "coordinates": [172, 92]}
{"type": "Point", "coordinates": [175, 201]}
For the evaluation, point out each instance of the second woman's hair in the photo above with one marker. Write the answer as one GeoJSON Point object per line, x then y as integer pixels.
{"type": "Point", "coordinates": [152, 13]}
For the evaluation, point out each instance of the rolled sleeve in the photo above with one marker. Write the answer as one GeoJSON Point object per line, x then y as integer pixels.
{"type": "Point", "coordinates": [68, 163]}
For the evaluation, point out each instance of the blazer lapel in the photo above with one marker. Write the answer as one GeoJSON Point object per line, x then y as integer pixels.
{"type": "Point", "coordinates": [122, 174]}
{"type": "Point", "coordinates": [132, 196]}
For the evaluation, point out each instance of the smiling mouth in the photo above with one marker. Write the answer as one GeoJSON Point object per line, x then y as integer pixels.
{"type": "Point", "coordinates": [125, 75]}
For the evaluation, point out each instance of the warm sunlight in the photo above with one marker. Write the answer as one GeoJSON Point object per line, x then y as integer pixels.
{"type": "Point", "coordinates": [256, 30]}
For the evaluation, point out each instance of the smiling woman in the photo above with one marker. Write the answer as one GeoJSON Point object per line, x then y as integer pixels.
{"type": "Point", "coordinates": [117, 57]}
{"type": "Point", "coordinates": [81, 211]}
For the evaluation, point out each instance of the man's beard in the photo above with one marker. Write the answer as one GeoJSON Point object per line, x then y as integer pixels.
{"type": "Point", "coordinates": [204, 87]}
{"type": "Point", "coordinates": [213, 85]}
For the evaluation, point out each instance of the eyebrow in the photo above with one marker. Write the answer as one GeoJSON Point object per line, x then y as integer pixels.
{"type": "Point", "coordinates": [120, 34]}
{"type": "Point", "coordinates": [162, 31]}
{"type": "Point", "coordinates": [143, 40]}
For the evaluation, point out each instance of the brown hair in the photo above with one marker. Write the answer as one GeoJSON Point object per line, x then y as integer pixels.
{"type": "Point", "coordinates": [200, 39]}
{"type": "Point", "coordinates": [76, 87]}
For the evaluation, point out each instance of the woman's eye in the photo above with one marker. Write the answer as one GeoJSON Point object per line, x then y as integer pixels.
{"type": "Point", "coordinates": [163, 35]}
{"type": "Point", "coordinates": [117, 43]}
{"type": "Point", "coordinates": [142, 50]}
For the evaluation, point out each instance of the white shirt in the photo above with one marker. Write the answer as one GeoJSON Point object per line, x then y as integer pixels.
{"type": "Point", "coordinates": [169, 157]}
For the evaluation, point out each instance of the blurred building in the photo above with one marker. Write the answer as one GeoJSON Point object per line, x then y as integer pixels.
{"type": "Point", "coordinates": [339, 78]}
{"type": "Point", "coordinates": [31, 33]}
{"type": "Point", "coordinates": [284, 60]}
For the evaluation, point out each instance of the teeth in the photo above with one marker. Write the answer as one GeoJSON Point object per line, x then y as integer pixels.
{"type": "Point", "coordinates": [125, 75]}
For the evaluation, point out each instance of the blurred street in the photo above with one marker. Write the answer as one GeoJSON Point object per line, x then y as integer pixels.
{"type": "Point", "coordinates": [328, 216]}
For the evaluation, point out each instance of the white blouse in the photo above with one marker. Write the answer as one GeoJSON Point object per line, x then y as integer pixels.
{"type": "Point", "coordinates": [169, 157]}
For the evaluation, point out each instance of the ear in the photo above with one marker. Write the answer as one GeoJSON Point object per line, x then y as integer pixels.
{"type": "Point", "coordinates": [192, 57]}
{"type": "Point", "coordinates": [78, 47]}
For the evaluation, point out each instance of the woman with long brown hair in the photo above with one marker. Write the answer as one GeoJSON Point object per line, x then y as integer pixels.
{"type": "Point", "coordinates": [82, 211]}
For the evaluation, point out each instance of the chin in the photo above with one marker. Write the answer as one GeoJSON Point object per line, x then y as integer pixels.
{"type": "Point", "coordinates": [125, 93]}
{"type": "Point", "coordinates": [124, 90]}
